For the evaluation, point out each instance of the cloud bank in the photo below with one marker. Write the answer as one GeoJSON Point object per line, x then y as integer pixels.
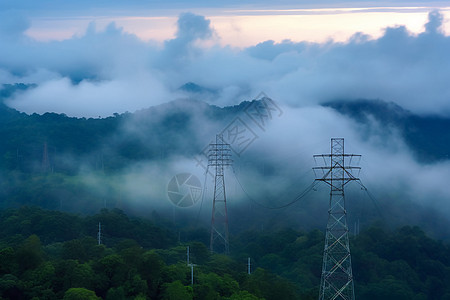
{"type": "Point", "coordinates": [108, 71]}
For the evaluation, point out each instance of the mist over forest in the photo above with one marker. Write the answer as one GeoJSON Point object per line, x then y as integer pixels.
{"type": "Point", "coordinates": [103, 126]}
{"type": "Point", "coordinates": [126, 161]}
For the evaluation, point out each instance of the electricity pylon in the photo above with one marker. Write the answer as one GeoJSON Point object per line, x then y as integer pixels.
{"type": "Point", "coordinates": [219, 156]}
{"type": "Point", "coordinates": [337, 278]}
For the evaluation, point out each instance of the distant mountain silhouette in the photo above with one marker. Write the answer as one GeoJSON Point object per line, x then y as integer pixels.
{"type": "Point", "coordinates": [428, 136]}
{"type": "Point", "coordinates": [149, 134]}
{"type": "Point", "coordinates": [174, 128]}
{"type": "Point", "coordinates": [194, 88]}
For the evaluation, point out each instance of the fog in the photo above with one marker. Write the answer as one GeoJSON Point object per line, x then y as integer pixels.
{"type": "Point", "coordinates": [109, 71]}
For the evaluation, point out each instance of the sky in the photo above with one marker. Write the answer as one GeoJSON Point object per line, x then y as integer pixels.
{"type": "Point", "coordinates": [87, 57]}
{"type": "Point", "coordinates": [237, 25]}
{"type": "Point", "coordinates": [97, 58]}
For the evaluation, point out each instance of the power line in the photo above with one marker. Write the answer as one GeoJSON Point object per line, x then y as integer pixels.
{"type": "Point", "coordinates": [371, 197]}
{"type": "Point", "coordinates": [203, 197]}
{"type": "Point", "coordinates": [296, 199]}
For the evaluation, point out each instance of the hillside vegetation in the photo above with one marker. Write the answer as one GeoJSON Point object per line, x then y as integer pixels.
{"type": "Point", "coordinates": [53, 255]}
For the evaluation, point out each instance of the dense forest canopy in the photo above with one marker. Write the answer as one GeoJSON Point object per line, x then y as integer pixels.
{"type": "Point", "coordinates": [54, 255]}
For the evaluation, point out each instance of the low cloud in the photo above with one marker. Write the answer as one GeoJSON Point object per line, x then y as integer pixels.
{"type": "Point", "coordinates": [108, 71]}
{"type": "Point", "coordinates": [401, 67]}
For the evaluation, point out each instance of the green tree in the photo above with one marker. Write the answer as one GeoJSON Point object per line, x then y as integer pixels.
{"type": "Point", "coordinates": [80, 294]}
{"type": "Point", "coordinates": [243, 295]}
{"type": "Point", "coordinates": [39, 282]}
{"type": "Point", "coordinates": [135, 286]}
{"type": "Point", "coordinates": [112, 272]}
{"type": "Point", "coordinates": [11, 287]}
{"type": "Point", "coordinates": [70, 273]}
{"type": "Point", "coordinates": [30, 255]}
{"type": "Point", "coordinates": [74, 249]}
{"type": "Point", "coordinates": [151, 270]}
{"type": "Point", "coordinates": [269, 286]}
{"type": "Point", "coordinates": [8, 264]}
{"type": "Point", "coordinates": [200, 254]}
{"type": "Point", "coordinates": [388, 289]}
{"type": "Point", "coordinates": [116, 293]}
{"type": "Point", "coordinates": [177, 291]}
{"type": "Point", "coordinates": [224, 286]}
{"type": "Point", "coordinates": [175, 272]}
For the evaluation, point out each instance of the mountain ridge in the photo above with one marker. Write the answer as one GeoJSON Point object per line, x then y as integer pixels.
{"type": "Point", "coordinates": [428, 136]}
{"type": "Point", "coordinates": [171, 122]}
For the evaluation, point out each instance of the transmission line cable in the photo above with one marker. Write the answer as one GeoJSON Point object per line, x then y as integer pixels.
{"type": "Point", "coordinates": [296, 199]}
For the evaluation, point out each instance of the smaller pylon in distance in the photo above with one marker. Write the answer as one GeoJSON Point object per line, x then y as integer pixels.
{"type": "Point", "coordinates": [219, 156]}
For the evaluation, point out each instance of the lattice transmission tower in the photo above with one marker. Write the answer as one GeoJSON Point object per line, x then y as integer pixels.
{"type": "Point", "coordinates": [337, 170]}
{"type": "Point", "coordinates": [219, 156]}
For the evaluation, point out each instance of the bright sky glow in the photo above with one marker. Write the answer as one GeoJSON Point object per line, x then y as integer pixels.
{"type": "Point", "coordinates": [242, 28]}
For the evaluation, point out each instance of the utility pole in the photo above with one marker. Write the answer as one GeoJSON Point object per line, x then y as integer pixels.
{"type": "Point", "coordinates": [219, 156]}
{"type": "Point", "coordinates": [187, 254]}
{"type": "Point", "coordinates": [99, 234]}
{"type": "Point", "coordinates": [336, 170]}
{"type": "Point", "coordinates": [249, 270]}
{"type": "Point", "coordinates": [190, 265]}
{"type": "Point", "coordinates": [192, 273]}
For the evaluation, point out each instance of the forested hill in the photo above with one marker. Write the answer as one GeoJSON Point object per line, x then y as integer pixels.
{"type": "Point", "coordinates": [172, 129]}
{"type": "Point", "coordinates": [50, 160]}
{"type": "Point", "coordinates": [83, 164]}
{"type": "Point", "coordinates": [148, 134]}
{"type": "Point", "coordinates": [54, 255]}
{"type": "Point", "coordinates": [428, 136]}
